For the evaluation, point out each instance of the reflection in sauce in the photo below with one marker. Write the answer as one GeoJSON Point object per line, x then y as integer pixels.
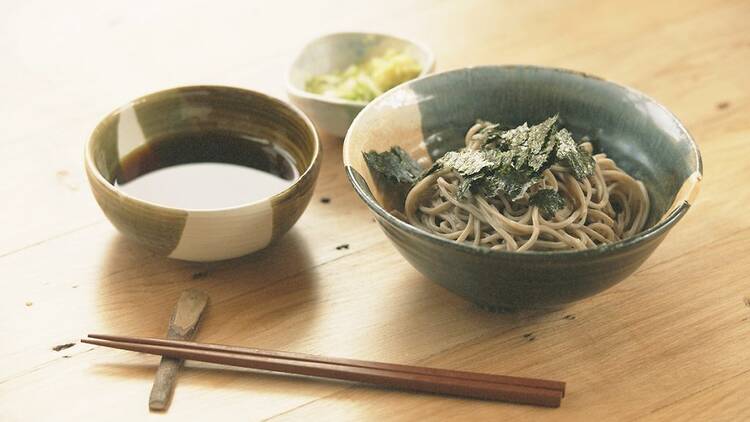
{"type": "Point", "coordinates": [207, 170]}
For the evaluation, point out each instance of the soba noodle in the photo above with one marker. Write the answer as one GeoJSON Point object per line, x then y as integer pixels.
{"type": "Point", "coordinates": [605, 207]}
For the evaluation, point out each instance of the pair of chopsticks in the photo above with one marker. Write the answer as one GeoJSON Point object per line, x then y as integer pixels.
{"type": "Point", "coordinates": [430, 380]}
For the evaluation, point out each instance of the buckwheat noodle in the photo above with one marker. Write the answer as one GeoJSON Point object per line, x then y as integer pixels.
{"type": "Point", "coordinates": [608, 206]}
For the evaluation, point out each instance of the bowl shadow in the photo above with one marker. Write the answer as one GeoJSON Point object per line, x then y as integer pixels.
{"type": "Point", "coordinates": [251, 299]}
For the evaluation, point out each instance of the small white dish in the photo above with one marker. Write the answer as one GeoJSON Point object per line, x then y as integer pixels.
{"type": "Point", "coordinates": [333, 53]}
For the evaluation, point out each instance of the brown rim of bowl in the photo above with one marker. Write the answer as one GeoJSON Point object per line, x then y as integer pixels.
{"type": "Point", "coordinates": [340, 101]}
{"type": "Point", "coordinates": [664, 224]}
{"type": "Point", "coordinates": [91, 167]}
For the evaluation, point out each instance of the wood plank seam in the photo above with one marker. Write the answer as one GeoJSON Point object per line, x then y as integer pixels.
{"type": "Point", "coordinates": [55, 237]}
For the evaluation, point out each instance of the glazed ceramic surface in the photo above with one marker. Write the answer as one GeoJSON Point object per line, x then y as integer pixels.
{"type": "Point", "coordinates": [202, 235]}
{"type": "Point", "coordinates": [333, 53]}
{"type": "Point", "coordinates": [430, 116]}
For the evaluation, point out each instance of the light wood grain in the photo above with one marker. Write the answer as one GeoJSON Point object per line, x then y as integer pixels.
{"type": "Point", "coordinates": [671, 342]}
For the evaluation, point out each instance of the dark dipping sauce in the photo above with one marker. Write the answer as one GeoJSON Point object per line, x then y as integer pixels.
{"type": "Point", "coordinates": [206, 170]}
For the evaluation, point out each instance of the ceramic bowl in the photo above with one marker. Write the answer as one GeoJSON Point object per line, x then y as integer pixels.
{"type": "Point", "coordinates": [333, 53]}
{"type": "Point", "coordinates": [213, 234]}
{"type": "Point", "coordinates": [429, 116]}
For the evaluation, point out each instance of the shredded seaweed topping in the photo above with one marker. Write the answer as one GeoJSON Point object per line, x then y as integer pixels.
{"type": "Point", "coordinates": [549, 201]}
{"type": "Point", "coordinates": [525, 146]}
{"type": "Point", "coordinates": [498, 162]}
{"type": "Point", "coordinates": [580, 162]}
{"type": "Point", "coordinates": [394, 172]}
{"type": "Point", "coordinates": [470, 162]}
{"type": "Point", "coordinates": [396, 165]}
{"type": "Point", "coordinates": [510, 161]}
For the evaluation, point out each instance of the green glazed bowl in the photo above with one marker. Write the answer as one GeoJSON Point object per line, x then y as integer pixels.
{"type": "Point", "coordinates": [430, 116]}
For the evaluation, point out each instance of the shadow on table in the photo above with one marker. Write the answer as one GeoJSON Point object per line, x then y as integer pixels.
{"type": "Point", "coordinates": [215, 376]}
{"type": "Point", "coordinates": [442, 329]}
{"type": "Point", "coordinates": [249, 295]}
{"type": "Point", "coordinates": [258, 385]}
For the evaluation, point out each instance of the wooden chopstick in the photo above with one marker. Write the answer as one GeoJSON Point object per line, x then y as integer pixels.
{"type": "Point", "coordinates": [424, 382]}
{"type": "Point", "coordinates": [448, 373]}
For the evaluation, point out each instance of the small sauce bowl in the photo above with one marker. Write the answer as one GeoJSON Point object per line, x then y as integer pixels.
{"type": "Point", "coordinates": [203, 234]}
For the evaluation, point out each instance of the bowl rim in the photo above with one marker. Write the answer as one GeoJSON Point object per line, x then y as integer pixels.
{"type": "Point", "coordinates": [663, 225]}
{"type": "Point", "coordinates": [220, 89]}
{"type": "Point", "coordinates": [292, 89]}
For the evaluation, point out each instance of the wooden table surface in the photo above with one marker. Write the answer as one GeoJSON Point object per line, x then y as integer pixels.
{"type": "Point", "coordinates": [670, 342]}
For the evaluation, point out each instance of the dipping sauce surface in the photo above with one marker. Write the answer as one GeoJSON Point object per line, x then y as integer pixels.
{"type": "Point", "coordinates": [207, 170]}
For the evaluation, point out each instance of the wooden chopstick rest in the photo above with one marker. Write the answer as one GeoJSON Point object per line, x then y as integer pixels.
{"type": "Point", "coordinates": [182, 326]}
